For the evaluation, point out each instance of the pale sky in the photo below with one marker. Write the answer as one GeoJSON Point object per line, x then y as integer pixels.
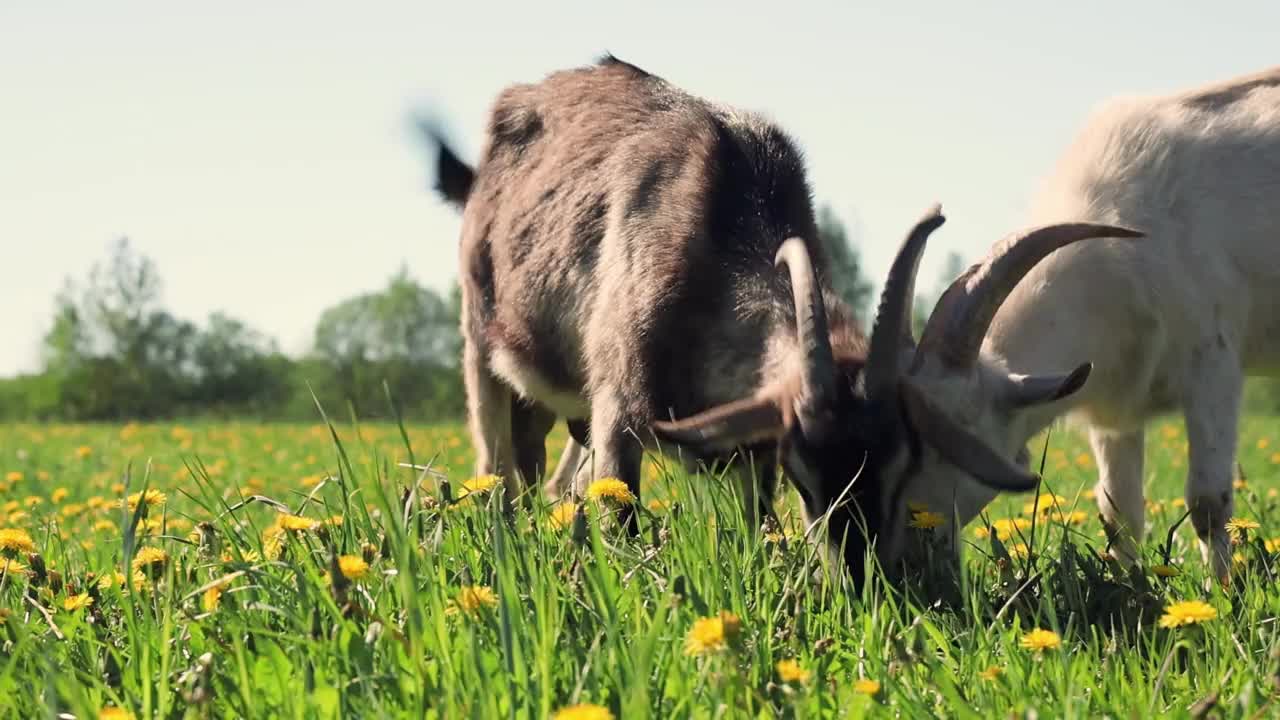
{"type": "Point", "coordinates": [262, 152]}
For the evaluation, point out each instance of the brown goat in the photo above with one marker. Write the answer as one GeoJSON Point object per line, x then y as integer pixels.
{"type": "Point", "coordinates": [620, 258]}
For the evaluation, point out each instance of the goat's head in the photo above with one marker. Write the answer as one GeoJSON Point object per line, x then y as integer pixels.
{"type": "Point", "coordinates": [863, 437]}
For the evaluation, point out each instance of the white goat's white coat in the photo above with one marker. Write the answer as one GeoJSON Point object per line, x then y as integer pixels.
{"type": "Point", "coordinates": [1171, 322]}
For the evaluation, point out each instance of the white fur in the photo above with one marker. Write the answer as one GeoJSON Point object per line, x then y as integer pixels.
{"type": "Point", "coordinates": [1172, 322]}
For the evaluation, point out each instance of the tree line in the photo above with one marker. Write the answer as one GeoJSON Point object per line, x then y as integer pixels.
{"type": "Point", "coordinates": [113, 352]}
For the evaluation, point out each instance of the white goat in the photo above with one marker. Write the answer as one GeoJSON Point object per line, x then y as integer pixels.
{"type": "Point", "coordinates": [1171, 322]}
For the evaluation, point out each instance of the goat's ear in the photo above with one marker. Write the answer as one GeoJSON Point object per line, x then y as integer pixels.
{"type": "Point", "coordinates": [727, 426]}
{"type": "Point", "coordinates": [1029, 390]}
{"type": "Point", "coordinates": [961, 447]}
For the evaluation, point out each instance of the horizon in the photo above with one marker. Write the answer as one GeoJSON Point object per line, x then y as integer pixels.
{"type": "Point", "coordinates": [266, 158]}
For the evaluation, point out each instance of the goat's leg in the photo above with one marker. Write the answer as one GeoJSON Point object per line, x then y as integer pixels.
{"type": "Point", "coordinates": [1212, 411]}
{"type": "Point", "coordinates": [1119, 489]}
{"type": "Point", "coordinates": [530, 424]}
{"type": "Point", "coordinates": [615, 451]}
{"type": "Point", "coordinates": [488, 415]}
{"type": "Point", "coordinates": [570, 460]}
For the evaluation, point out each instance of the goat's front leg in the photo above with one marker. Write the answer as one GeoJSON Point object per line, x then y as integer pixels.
{"type": "Point", "coordinates": [488, 415]}
{"type": "Point", "coordinates": [615, 451]}
{"type": "Point", "coordinates": [1119, 488]}
{"type": "Point", "coordinates": [1212, 411]}
{"type": "Point", "coordinates": [530, 424]}
{"type": "Point", "coordinates": [571, 460]}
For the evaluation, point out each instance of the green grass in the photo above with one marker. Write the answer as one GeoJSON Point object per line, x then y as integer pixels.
{"type": "Point", "coordinates": [597, 618]}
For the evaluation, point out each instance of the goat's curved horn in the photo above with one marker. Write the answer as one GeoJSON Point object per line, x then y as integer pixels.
{"type": "Point", "coordinates": [892, 328]}
{"type": "Point", "coordinates": [819, 375]}
{"type": "Point", "coordinates": [964, 313]}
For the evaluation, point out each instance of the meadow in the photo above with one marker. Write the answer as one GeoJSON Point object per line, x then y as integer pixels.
{"type": "Point", "coordinates": [243, 570]}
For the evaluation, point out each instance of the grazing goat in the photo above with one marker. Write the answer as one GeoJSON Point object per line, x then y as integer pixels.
{"type": "Point", "coordinates": [622, 256]}
{"type": "Point", "coordinates": [1170, 323]}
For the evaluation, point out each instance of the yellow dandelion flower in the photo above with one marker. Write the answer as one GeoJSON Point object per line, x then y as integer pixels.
{"type": "Point", "coordinates": [15, 540]}
{"type": "Point", "coordinates": [1084, 460]}
{"type": "Point", "coordinates": [297, 523]}
{"type": "Point", "coordinates": [791, 672]}
{"type": "Point", "coordinates": [12, 567]}
{"type": "Point", "coordinates": [71, 510]}
{"type": "Point", "coordinates": [866, 686]}
{"type": "Point", "coordinates": [712, 634]}
{"type": "Point", "coordinates": [112, 712]}
{"type": "Point", "coordinates": [1019, 550]}
{"type": "Point", "coordinates": [656, 505]}
{"type": "Point", "coordinates": [77, 602]}
{"type": "Point", "coordinates": [1272, 545]}
{"type": "Point", "coordinates": [611, 489]}
{"type": "Point", "coordinates": [1238, 558]}
{"type": "Point", "coordinates": [335, 521]}
{"type": "Point", "coordinates": [12, 505]}
{"type": "Point", "coordinates": [106, 582]}
{"type": "Point", "coordinates": [84, 451]}
{"type": "Point", "coordinates": [95, 502]}
{"type": "Point", "coordinates": [1239, 484]}
{"type": "Point", "coordinates": [104, 525]}
{"type": "Point", "coordinates": [18, 517]}
{"type": "Point", "coordinates": [562, 516]}
{"type": "Point", "coordinates": [1169, 432]}
{"type": "Point", "coordinates": [1075, 517]}
{"type": "Point", "coordinates": [272, 549]}
{"type": "Point", "coordinates": [32, 501]}
{"type": "Point", "coordinates": [925, 520]}
{"type": "Point", "coordinates": [1166, 571]}
{"type": "Point", "coordinates": [149, 558]}
{"type": "Point", "coordinates": [479, 485]}
{"type": "Point", "coordinates": [1240, 527]}
{"type": "Point", "coordinates": [1005, 528]}
{"type": "Point", "coordinates": [13, 476]}
{"type": "Point", "coordinates": [471, 598]}
{"type": "Point", "coordinates": [1089, 494]}
{"type": "Point", "coordinates": [991, 673]}
{"type": "Point", "coordinates": [583, 711]}
{"type": "Point", "coordinates": [1046, 502]}
{"type": "Point", "coordinates": [353, 567]}
{"type": "Point", "coordinates": [1178, 502]}
{"type": "Point", "coordinates": [1187, 612]}
{"type": "Point", "coordinates": [59, 494]}
{"type": "Point", "coordinates": [151, 498]}
{"type": "Point", "coordinates": [1040, 640]}
{"type": "Point", "coordinates": [211, 598]}
{"type": "Point", "coordinates": [1263, 443]}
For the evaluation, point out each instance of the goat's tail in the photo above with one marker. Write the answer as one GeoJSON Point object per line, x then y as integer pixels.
{"type": "Point", "coordinates": [454, 177]}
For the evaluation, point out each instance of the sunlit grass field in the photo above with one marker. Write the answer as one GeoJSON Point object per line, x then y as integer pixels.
{"type": "Point", "coordinates": [242, 570]}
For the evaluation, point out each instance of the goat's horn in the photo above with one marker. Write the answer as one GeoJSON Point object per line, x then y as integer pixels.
{"type": "Point", "coordinates": [818, 380]}
{"type": "Point", "coordinates": [892, 328]}
{"type": "Point", "coordinates": [964, 313]}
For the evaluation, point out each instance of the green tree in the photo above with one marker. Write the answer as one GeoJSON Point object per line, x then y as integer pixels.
{"type": "Point", "coordinates": [405, 335]}
{"type": "Point", "coordinates": [847, 277]}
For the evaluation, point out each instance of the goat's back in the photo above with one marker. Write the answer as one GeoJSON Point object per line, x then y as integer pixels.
{"type": "Point", "coordinates": [1199, 172]}
{"type": "Point", "coordinates": [604, 198]}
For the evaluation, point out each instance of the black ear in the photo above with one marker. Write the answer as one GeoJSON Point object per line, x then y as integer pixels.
{"type": "Point", "coordinates": [960, 447]}
{"type": "Point", "coordinates": [1029, 390]}
{"type": "Point", "coordinates": [725, 427]}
